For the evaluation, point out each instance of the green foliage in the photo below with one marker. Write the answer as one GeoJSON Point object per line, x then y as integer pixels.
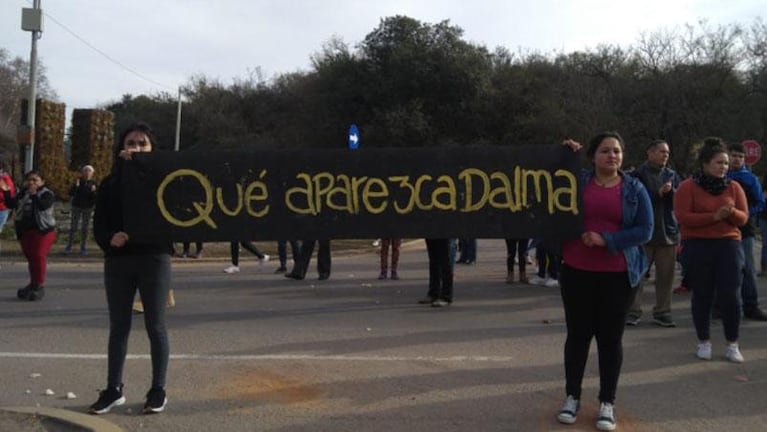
{"type": "Point", "coordinates": [14, 84]}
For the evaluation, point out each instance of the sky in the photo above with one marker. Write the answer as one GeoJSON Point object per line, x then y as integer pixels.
{"type": "Point", "coordinates": [148, 46]}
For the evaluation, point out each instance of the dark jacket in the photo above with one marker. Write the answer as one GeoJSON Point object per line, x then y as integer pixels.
{"type": "Point", "coordinates": [82, 193]}
{"type": "Point", "coordinates": [108, 219]}
{"type": "Point", "coordinates": [666, 227]}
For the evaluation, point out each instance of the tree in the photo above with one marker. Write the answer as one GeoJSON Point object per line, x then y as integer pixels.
{"type": "Point", "coordinates": [14, 86]}
{"type": "Point", "coordinates": [427, 72]}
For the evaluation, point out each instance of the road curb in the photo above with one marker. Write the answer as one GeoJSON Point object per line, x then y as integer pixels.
{"type": "Point", "coordinates": [73, 420]}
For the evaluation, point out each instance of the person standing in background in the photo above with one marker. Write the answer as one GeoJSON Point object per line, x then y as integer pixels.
{"type": "Point", "coordinates": [83, 194]}
{"type": "Point", "coordinates": [710, 208]}
{"type": "Point", "coordinates": [323, 260]}
{"type": "Point", "coordinates": [35, 225]}
{"type": "Point", "coordinates": [395, 245]}
{"type": "Point", "coordinates": [516, 247]}
{"type": "Point", "coordinates": [4, 209]}
{"type": "Point", "coordinates": [234, 251]}
{"type": "Point", "coordinates": [186, 250]}
{"type": "Point", "coordinates": [468, 248]}
{"type": "Point", "coordinates": [661, 183]}
{"type": "Point", "coordinates": [739, 172]}
{"type": "Point", "coordinates": [440, 293]}
{"type": "Point", "coordinates": [282, 253]}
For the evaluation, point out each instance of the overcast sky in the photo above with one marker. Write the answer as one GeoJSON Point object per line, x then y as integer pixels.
{"type": "Point", "coordinates": [168, 41]}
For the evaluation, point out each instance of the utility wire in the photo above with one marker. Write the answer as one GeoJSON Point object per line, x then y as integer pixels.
{"type": "Point", "coordinates": [105, 55]}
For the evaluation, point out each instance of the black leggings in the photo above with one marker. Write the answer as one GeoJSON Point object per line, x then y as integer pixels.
{"type": "Point", "coordinates": [596, 304]}
{"type": "Point", "coordinates": [234, 249]}
{"type": "Point", "coordinates": [150, 275]}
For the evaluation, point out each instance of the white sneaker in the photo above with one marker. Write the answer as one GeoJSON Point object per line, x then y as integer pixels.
{"type": "Point", "coordinates": [232, 269]}
{"type": "Point", "coordinates": [733, 353]}
{"type": "Point", "coordinates": [263, 260]}
{"type": "Point", "coordinates": [569, 412]}
{"type": "Point", "coordinates": [704, 351]}
{"type": "Point", "coordinates": [537, 280]}
{"type": "Point", "coordinates": [606, 420]}
{"type": "Point", "coordinates": [551, 283]}
{"type": "Point", "coordinates": [376, 242]}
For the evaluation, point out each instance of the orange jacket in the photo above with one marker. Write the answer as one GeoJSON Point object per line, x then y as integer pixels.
{"type": "Point", "coordinates": [695, 209]}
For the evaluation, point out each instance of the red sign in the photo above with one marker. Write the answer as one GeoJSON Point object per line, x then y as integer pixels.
{"type": "Point", "coordinates": [753, 151]}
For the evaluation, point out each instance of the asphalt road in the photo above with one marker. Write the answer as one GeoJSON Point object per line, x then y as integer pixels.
{"type": "Point", "coordinates": [255, 351]}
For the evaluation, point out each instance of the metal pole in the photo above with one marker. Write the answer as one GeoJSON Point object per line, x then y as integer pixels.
{"type": "Point", "coordinates": [178, 121]}
{"type": "Point", "coordinates": [29, 152]}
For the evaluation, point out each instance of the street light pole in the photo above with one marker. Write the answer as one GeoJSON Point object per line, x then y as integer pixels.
{"type": "Point", "coordinates": [32, 21]}
{"type": "Point", "coordinates": [178, 122]}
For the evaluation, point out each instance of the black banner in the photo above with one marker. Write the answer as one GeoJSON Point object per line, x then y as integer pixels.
{"type": "Point", "coordinates": [470, 192]}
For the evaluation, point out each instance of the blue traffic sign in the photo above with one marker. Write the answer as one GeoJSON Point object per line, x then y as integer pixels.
{"type": "Point", "coordinates": [354, 137]}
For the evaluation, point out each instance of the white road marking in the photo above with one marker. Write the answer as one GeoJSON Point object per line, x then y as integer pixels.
{"type": "Point", "coordinates": [221, 357]}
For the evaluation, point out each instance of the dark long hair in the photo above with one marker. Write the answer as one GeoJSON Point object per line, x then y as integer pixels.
{"type": "Point", "coordinates": [598, 138]}
{"type": "Point", "coordinates": [120, 144]}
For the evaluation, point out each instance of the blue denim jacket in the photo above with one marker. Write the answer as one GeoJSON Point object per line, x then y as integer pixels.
{"type": "Point", "coordinates": [636, 227]}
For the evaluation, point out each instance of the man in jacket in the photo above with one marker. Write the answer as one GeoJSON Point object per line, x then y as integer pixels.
{"type": "Point", "coordinates": [750, 183]}
{"type": "Point", "coordinates": [661, 183]}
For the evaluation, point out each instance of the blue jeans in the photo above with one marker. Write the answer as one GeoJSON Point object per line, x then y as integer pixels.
{"type": "Point", "coordinates": [763, 229]}
{"type": "Point", "coordinates": [3, 218]}
{"type": "Point", "coordinates": [468, 250]}
{"type": "Point", "coordinates": [748, 291]}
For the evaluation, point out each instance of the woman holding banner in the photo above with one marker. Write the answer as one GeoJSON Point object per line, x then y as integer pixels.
{"type": "Point", "coordinates": [131, 266]}
{"type": "Point", "coordinates": [600, 271]}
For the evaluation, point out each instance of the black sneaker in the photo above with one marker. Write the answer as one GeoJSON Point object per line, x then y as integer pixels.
{"type": "Point", "coordinates": [155, 401]}
{"type": "Point", "coordinates": [755, 314]}
{"type": "Point", "coordinates": [280, 270]}
{"type": "Point", "coordinates": [426, 300]}
{"type": "Point", "coordinates": [108, 399]}
{"type": "Point", "coordinates": [633, 320]}
{"type": "Point", "coordinates": [37, 292]}
{"type": "Point", "coordinates": [664, 321]}
{"type": "Point", "coordinates": [23, 293]}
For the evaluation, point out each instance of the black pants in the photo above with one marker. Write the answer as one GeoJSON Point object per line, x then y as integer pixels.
{"type": "Point", "coordinates": [596, 304]}
{"type": "Point", "coordinates": [323, 258]}
{"type": "Point", "coordinates": [282, 251]}
{"type": "Point", "coordinates": [715, 274]}
{"type": "Point", "coordinates": [440, 269]}
{"type": "Point", "coordinates": [234, 250]}
{"type": "Point", "coordinates": [150, 275]}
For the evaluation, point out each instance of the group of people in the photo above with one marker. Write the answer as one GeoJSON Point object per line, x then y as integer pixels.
{"type": "Point", "coordinates": [634, 219]}
{"type": "Point", "coordinates": [629, 221]}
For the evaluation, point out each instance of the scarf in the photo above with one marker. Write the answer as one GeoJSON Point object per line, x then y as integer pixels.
{"type": "Point", "coordinates": [712, 185]}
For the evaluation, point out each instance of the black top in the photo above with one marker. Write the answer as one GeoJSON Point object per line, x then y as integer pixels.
{"type": "Point", "coordinates": [82, 193]}
{"type": "Point", "coordinates": [108, 220]}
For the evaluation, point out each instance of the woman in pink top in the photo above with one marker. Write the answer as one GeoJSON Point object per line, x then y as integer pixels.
{"type": "Point", "coordinates": [600, 271]}
{"type": "Point", "coordinates": [710, 208]}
